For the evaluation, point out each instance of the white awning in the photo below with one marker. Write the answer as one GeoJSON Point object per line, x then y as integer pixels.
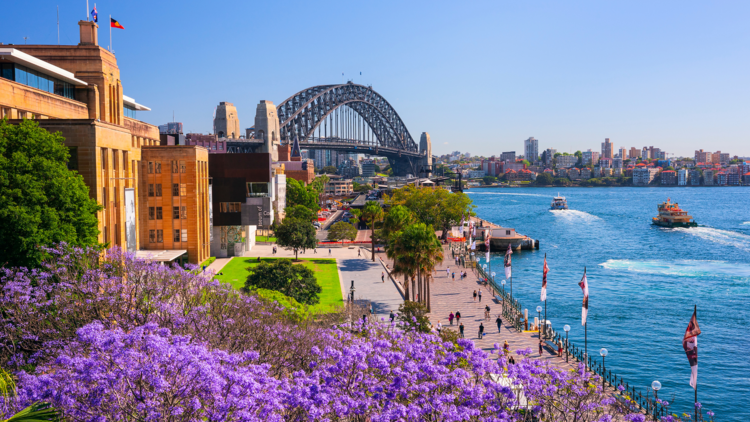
{"type": "Point", "coordinates": [16, 56]}
{"type": "Point", "coordinates": [168, 255]}
{"type": "Point", "coordinates": [131, 102]}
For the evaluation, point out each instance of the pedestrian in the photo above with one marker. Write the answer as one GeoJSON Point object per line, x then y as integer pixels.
{"type": "Point", "coordinates": [439, 327]}
{"type": "Point", "coordinates": [382, 276]}
{"type": "Point", "coordinates": [458, 317]}
{"type": "Point", "coordinates": [511, 360]}
{"type": "Point", "coordinates": [480, 295]}
{"type": "Point", "coordinates": [329, 251]}
{"type": "Point", "coordinates": [487, 312]}
{"type": "Point", "coordinates": [364, 319]}
{"type": "Point", "coordinates": [359, 252]}
{"type": "Point", "coordinates": [448, 271]}
{"type": "Point", "coordinates": [506, 347]}
{"type": "Point", "coordinates": [559, 348]}
{"type": "Point", "coordinates": [540, 348]}
{"type": "Point", "coordinates": [499, 323]}
{"type": "Point", "coordinates": [454, 276]}
{"type": "Point", "coordinates": [315, 250]}
{"type": "Point", "coordinates": [475, 295]}
{"type": "Point", "coordinates": [461, 330]}
{"type": "Point", "coordinates": [392, 316]}
{"type": "Point", "coordinates": [481, 330]}
{"type": "Point", "coordinates": [450, 318]}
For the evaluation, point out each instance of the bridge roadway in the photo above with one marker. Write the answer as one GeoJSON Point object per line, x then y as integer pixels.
{"type": "Point", "coordinates": [342, 145]}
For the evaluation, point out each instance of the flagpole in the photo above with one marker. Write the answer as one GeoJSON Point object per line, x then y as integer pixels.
{"type": "Point", "coordinates": [545, 303]}
{"type": "Point", "coordinates": [695, 312]}
{"type": "Point", "coordinates": [586, 332]}
{"type": "Point", "coordinates": [87, 10]}
{"type": "Point", "coordinates": [110, 34]}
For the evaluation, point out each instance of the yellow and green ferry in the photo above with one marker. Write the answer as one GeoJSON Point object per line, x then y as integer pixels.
{"type": "Point", "coordinates": [670, 215]}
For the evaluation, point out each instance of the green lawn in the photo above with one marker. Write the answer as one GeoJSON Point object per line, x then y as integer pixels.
{"type": "Point", "coordinates": [326, 272]}
{"type": "Point", "coordinates": [265, 239]}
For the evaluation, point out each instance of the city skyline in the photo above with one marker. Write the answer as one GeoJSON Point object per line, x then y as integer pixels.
{"type": "Point", "coordinates": [638, 73]}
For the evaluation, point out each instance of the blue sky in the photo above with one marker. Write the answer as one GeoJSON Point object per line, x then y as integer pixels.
{"type": "Point", "coordinates": [478, 76]}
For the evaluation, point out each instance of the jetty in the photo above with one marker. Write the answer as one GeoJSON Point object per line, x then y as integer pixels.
{"type": "Point", "coordinates": [500, 238]}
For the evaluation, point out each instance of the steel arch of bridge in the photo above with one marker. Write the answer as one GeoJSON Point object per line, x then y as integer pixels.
{"type": "Point", "coordinates": [304, 112]}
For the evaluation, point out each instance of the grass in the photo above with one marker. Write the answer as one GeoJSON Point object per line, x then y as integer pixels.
{"type": "Point", "coordinates": [208, 262]}
{"type": "Point", "coordinates": [265, 239]}
{"type": "Point", "coordinates": [326, 272]}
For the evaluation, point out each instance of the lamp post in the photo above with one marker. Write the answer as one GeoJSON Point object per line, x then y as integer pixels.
{"type": "Point", "coordinates": [493, 279]}
{"type": "Point", "coordinates": [351, 291]}
{"type": "Point", "coordinates": [603, 353]}
{"type": "Point", "coordinates": [656, 386]}
{"type": "Point", "coordinates": [566, 328]}
{"type": "Point", "coordinates": [539, 311]}
{"type": "Point", "coordinates": [502, 283]}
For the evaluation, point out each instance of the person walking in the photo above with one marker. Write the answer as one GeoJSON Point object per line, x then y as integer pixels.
{"type": "Point", "coordinates": [382, 276]}
{"type": "Point", "coordinates": [481, 330]}
{"type": "Point", "coordinates": [506, 348]}
{"type": "Point", "coordinates": [480, 295]}
{"type": "Point", "coordinates": [461, 330]}
{"type": "Point", "coordinates": [458, 317]}
{"type": "Point", "coordinates": [392, 316]}
{"type": "Point", "coordinates": [453, 276]}
{"type": "Point", "coordinates": [359, 252]}
{"type": "Point", "coordinates": [511, 360]}
{"type": "Point", "coordinates": [475, 295]}
{"type": "Point", "coordinates": [499, 323]}
{"type": "Point", "coordinates": [439, 327]}
{"type": "Point", "coordinates": [315, 250]}
{"type": "Point", "coordinates": [448, 271]}
{"type": "Point", "coordinates": [487, 312]}
{"type": "Point", "coordinates": [559, 348]}
{"type": "Point", "coordinates": [540, 348]}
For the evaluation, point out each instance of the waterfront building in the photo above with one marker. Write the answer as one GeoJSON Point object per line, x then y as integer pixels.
{"type": "Point", "coordinates": [474, 174]}
{"type": "Point", "coordinates": [634, 153]}
{"type": "Point", "coordinates": [590, 157]}
{"type": "Point", "coordinates": [695, 177]}
{"type": "Point", "coordinates": [721, 178]}
{"type": "Point", "coordinates": [492, 167]}
{"type": "Point", "coordinates": [562, 172]}
{"type": "Point", "coordinates": [708, 177]}
{"type": "Point", "coordinates": [682, 177]}
{"type": "Point", "coordinates": [531, 150]}
{"type": "Point", "coordinates": [548, 155]}
{"type": "Point", "coordinates": [668, 177]}
{"type": "Point", "coordinates": [586, 173]}
{"type": "Point", "coordinates": [608, 149]}
{"type": "Point", "coordinates": [703, 157]}
{"type": "Point", "coordinates": [566, 161]}
{"type": "Point", "coordinates": [607, 172]}
{"type": "Point", "coordinates": [77, 90]}
{"type": "Point", "coordinates": [606, 162]}
{"type": "Point", "coordinates": [517, 166]}
{"type": "Point", "coordinates": [508, 156]}
{"type": "Point", "coordinates": [617, 171]}
{"type": "Point", "coordinates": [747, 178]}
{"type": "Point", "coordinates": [617, 163]}
{"type": "Point", "coordinates": [574, 173]}
{"type": "Point", "coordinates": [643, 176]}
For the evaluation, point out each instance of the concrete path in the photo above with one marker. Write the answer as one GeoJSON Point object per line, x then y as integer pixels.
{"type": "Point", "coordinates": [217, 265]}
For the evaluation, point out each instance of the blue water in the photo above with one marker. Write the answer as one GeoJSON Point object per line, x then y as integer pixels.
{"type": "Point", "coordinates": [643, 282]}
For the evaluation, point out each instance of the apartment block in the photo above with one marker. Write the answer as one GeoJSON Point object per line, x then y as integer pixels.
{"type": "Point", "coordinates": [608, 149]}
{"type": "Point", "coordinates": [643, 176]}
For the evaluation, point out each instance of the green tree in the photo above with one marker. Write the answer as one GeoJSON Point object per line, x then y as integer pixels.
{"type": "Point", "coordinates": [371, 213]}
{"type": "Point", "coordinates": [300, 212]}
{"type": "Point", "coordinates": [328, 170]}
{"type": "Point", "coordinates": [410, 311]}
{"type": "Point", "coordinates": [544, 179]}
{"type": "Point", "coordinates": [557, 154]}
{"type": "Point", "coordinates": [41, 202]}
{"type": "Point", "coordinates": [319, 184]}
{"type": "Point", "coordinates": [36, 412]}
{"type": "Point", "coordinates": [293, 280]}
{"type": "Point", "coordinates": [295, 234]}
{"type": "Point", "coordinates": [358, 187]}
{"type": "Point", "coordinates": [299, 194]}
{"type": "Point", "coordinates": [396, 219]}
{"type": "Point", "coordinates": [415, 252]}
{"type": "Point", "coordinates": [488, 180]}
{"type": "Point", "coordinates": [526, 162]}
{"type": "Point", "coordinates": [342, 231]}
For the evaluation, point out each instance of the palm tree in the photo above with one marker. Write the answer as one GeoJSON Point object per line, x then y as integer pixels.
{"type": "Point", "coordinates": [427, 252]}
{"type": "Point", "coordinates": [372, 213]}
{"type": "Point", "coordinates": [398, 249]}
{"type": "Point", "coordinates": [37, 412]}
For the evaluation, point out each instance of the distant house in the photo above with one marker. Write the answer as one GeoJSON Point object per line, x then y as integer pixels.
{"type": "Point", "coordinates": [643, 176]}
{"type": "Point", "coordinates": [668, 177]}
{"type": "Point", "coordinates": [747, 178]}
{"type": "Point", "coordinates": [585, 173]}
{"type": "Point", "coordinates": [682, 177]}
{"type": "Point", "coordinates": [695, 177]}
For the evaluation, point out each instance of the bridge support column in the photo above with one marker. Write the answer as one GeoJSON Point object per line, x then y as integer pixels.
{"type": "Point", "coordinates": [403, 166]}
{"type": "Point", "coordinates": [267, 128]}
{"type": "Point", "coordinates": [425, 148]}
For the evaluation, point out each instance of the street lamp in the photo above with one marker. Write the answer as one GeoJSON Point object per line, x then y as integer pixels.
{"type": "Point", "coordinates": [566, 328]}
{"type": "Point", "coordinates": [351, 290]}
{"type": "Point", "coordinates": [656, 386]}
{"type": "Point", "coordinates": [539, 311]}
{"type": "Point", "coordinates": [603, 353]}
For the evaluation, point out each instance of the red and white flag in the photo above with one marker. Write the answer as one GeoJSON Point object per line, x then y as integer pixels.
{"type": "Point", "coordinates": [585, 287]}
{"type": "Point", "coordinates": [508, 262]}
{"type": "Point", "coordinates": [544, 279]}
{"type": "Point", "coordinates": [487, 244]}
{"type": "Point", "coordinates": [690, 344]}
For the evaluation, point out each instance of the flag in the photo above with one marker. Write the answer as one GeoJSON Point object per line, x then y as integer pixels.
{"type": "Point", "coordinates": [487, 243]}
{"type": "Point", "coordinates": [474, 245]}
{"type": "Point", "coordinates": [507, 262]}
{"type": "Point", "coordinates": [114, 24]}
{"type": "Point", "coordinates": [461, 224]}
{"type": "Point", "coordinates": [544, 279]}
{"type": "Point", "coordinates": [585, 287]}
{"type": "Point", "coordinates": [95, 15]}
{"type": "Point", "coordinates": [690, 344]}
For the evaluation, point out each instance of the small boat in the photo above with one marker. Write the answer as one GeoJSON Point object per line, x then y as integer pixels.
{"type": "Point", "coordinates": [670, 215]}
{"type": "Point", "coordinates": [559, 203]}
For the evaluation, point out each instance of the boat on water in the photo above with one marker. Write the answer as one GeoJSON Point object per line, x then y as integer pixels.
{"type": "Point", "coordinates": [670, 215]}
{"type": "Point", "coordinates": [559, 203]}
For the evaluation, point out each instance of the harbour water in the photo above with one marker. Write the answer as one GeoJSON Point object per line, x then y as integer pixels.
{"type": "Point", "coordinates": [643, 282]}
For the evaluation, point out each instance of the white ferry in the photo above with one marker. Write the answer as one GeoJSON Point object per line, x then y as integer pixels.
{"type": "Point", "coordinates": [559, 203]}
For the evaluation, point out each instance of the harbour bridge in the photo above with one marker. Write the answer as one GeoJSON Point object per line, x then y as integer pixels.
{"type": "Point", "coordinates": [346, 118]}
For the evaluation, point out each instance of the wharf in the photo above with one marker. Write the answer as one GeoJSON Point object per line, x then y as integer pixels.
{"type": "Point", "coordinates": [502, 237]}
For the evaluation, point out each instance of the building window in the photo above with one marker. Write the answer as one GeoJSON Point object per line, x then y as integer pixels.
{"type": "Point", "coordinates": [129, 111]}
{"type": "Point", "coordinates": [176, 237]}
{"type": "Point", "coordinates": [230, 207]}
{"type": "Point", "coordinates": [184, 235]}
{"type": "Point", "coordinates": [158, 213]}
{"type": "Point", "coordinates": [183, 189]}
{"type": "Point", "coordinates": [176, 213]}
{"type": "Point", "coordinates": [183, 212]}
{"type": "Point", "coordinates": [152, 236]}
{"type": "Point", "coordinates": [175, 189]}
{"type": "Point", "coordinates": [158, 189]}
{"type": "Point", "coordinates": [34, 79]}
{"type": "Point", "coordinates": [157, 167]}
{"type": "Point", "coordinates": [150, 167]}
{"type": "Point", "coordinates": [73, 160]}
{"type": "Point", "coordinates": [174, 167]}
{"type": "Point", "coordinates": [159, 236]}
{"type": "Point", "coordinates": [257, 189]}
{"type": "Point", "coordinates": [182, 167]}
{"type": "Point", "coordinates": [151, 213]}
{"type": "Point", "coordinates": [104, 197]}
{"type": "Point", "coordinates": [151, 189]}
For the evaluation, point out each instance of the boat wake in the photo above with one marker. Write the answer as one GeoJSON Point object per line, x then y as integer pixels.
{"type": "Point", "coordinates": [507, 193]}
{"type": "Point", "coordinates": [683, 268]}
{"type": "Point", "coordinates": [746, 223]}
{"type": "Point", "coordinates": [723, 237]}
{"type": "Point", "coordinates": [574, 215]}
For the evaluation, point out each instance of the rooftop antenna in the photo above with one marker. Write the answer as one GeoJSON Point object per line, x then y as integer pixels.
{"type": "Point", "coordinates": [58, 25]}
{"type": "Point", "coordinates": [87, 10]}
{"type": "Point", "coordinates": [24, 39]}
